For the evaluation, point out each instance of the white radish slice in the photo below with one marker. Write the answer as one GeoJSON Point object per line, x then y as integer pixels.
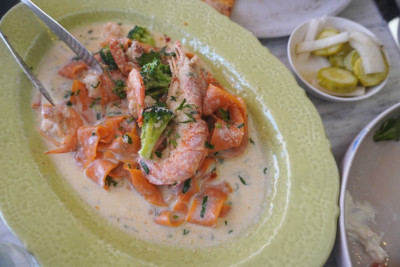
{"type": "Point", "coordinates": [310, 46]}
{"type": "Point", "coordinates": [312, 31]}
{"type": "Point", "coordinates": [369, 52]}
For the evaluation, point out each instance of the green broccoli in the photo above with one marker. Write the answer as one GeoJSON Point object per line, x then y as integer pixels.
{"type": "Point", "coordinates": [141, 34]}
{"type": "Point", "coordinates": [155, 120]}
{"type": "Point", "coordinates": [156, 78]}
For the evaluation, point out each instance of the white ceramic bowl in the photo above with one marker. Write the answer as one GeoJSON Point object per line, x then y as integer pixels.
{"type": "Point", "coordinates": [370, 174]}
{"type": "Point", "coordinates": [314, 64]}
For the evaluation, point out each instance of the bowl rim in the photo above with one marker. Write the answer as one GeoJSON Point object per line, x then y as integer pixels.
{"type": "Point", "coordinates": [320, 94]}
{"type": "Point", "coordinates": [342, 250]}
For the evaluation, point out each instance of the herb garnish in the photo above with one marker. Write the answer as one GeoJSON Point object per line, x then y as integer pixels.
{"type": "Point", "coordinates": [186, 186]}
{"type": "Point", "coordinates": [97, 84]}
{"type": "Point", "coordinates": [185, 232]}
{"type": "Point", "coordinates": [265, 170]}
{"type": "Point", "coordinates": [224, 114]}
{"type": "Point", "coordinates": [119, 89]}
{"type": "Point", "coordinates": [158, 154]}
{"type": "Point", "coordinates": [242, 180]}
{"type": "Point", "coordinates": [208, 145]}
{"type": "Point", "coordinates": [389, 130]}
{"type": "Point", "coordinates": [203, 206]}
{"type": "Point", "coordinates": [240, 125]}
{"type": "Point", "coordinates": [95, 101]}
{"type": "Point", "coordinates": [145, 167]}
{"type": "Point", "coordinates": [251, 141]}
{"type": "Point", "coordinates": [127, 139]}
{"type": "Point", "coordinates": [110, 181]}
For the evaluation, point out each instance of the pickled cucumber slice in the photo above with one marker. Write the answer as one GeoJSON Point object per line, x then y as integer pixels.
{"type": "Point", "coordinates": [337, 80]}
{"type": "Point", "coordinates": [337, 60]}
{"type": "Point", "coordinates": [369, 79]}
{"type": "Point", "coordinates": [331, 50]}
{"type": "Point", "coordinates": [350, 59]}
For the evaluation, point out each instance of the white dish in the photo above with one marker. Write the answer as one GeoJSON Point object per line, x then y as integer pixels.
{"type": "Point", "coordinates": [265, 19]}
{"type": "Point", "coordinates": [306, 71]}
{"type": "Point", "coordinates": [370, 173]}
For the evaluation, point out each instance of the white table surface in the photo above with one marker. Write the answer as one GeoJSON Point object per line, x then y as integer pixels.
{"type": "Point", "coordinates": [342, 121]}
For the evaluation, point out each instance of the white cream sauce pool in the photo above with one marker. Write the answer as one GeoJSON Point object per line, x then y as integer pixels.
{"type": "Point", "coordinates": [126, 209]}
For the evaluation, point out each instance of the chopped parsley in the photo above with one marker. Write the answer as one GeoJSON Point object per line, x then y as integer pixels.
{"type": "Point", "coordinates": [251, 141]}
{"type": "Point", "coordinates": [242, 180]}
{"type": "Point", "coordinates": [185, 232]}
{"type": "Point", "coordinates": [69, 103]}
{"type": "Point", "coordinates": [95, 86]}
{"type": "Point", "coordinates": [241, 125]}
{"type": "Point", "coordinates": [119, 89]}
{"type": "Point", "coordinates": [127, 139]}
{"type": "Point", "coordinates": [186, 186]}
{"type": "Point", "coordinates": [208, 145]}
{"type": "Point", "coordinates": [110, 181]}
{"type": "Point", "coordinates": [158, 154]}
{"type": "Point", "coordinates": [203, 206]}
{"type": "Point", "coordinates": [145, 167]}
{"type": "Point", "coordinates": [95, 101]}
{"type": "Point", "coordinates": [224, 114]}
{"type": "Point", "coordinates": [265, 170]}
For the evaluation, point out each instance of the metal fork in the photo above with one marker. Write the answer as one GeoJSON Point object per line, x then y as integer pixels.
{"type": "Point", "coordinates": [66, 37]}
{"type": "Point", "coordinates": [27, 70]}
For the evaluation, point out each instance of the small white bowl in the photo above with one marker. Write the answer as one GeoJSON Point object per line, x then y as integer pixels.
{"type": "Point", "coordinates": [370, 172]}
{"type": "Point", "coordinates": [311, 67]}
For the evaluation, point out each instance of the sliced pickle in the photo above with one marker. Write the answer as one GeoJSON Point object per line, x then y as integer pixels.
{"type": "Point", "coordinates": [337, 80]}
{"type": "Point", "coordinates": [369, 79]}
{"type": "Point", "coordinates": [331, 50]}
{"type": "Point", "coordinates": [350, 60]}
{"type": "Point", "coordinates": [337, 60]}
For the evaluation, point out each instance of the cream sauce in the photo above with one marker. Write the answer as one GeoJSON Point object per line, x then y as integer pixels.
{"type": "Point", "coordinates": [126, 209]}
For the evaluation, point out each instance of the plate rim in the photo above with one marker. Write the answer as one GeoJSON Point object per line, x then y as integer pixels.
{"type": "Point", "coordinates": [323, 141]}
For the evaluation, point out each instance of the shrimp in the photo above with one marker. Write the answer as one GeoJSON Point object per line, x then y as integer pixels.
{"type": "Point", "coordinates": [60, 122]}
{"type": "Point", "coordinates": [135, 93]}
{"type": "Point", "coordinates": [186, 155]}
{"type": "Point", "coordinates": [117, 47]}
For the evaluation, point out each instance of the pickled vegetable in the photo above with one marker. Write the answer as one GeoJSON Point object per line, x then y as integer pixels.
{"type": "Point", "coordinates": [369, 79]}
{"type": "Point", "coordinates": [337, 80]}
{"type": "Point", "coordinates": [331, 50]}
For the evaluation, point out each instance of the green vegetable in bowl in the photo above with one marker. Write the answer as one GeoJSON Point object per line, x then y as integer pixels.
{"type": "Point", "coordinates": [389, 130]}
{"type": "Point", "coordinates": [141, 34]}
{"type": "Point", "coordinates": [155, 120]}
{"type": "Point", "coordinates": [156, 78]}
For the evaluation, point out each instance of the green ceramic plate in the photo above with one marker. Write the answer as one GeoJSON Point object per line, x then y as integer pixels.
{"type": "Point", "coordinates": [298, 227]}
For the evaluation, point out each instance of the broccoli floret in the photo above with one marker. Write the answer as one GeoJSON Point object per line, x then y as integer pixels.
{"type": "Point", "coordinates": [155, 120]}
{"type": "Point", "coordinates": [107, 58]}
{"type": "Point", "coordinates": [141, 34]}
{"type": "Point", "coordinates": [156, 78]}
{"type": "Point", "coordinates": [146, 58]}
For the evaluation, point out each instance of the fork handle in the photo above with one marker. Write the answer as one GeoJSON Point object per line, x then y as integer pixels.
{"type": "Point", "coordinates": [26, 69]}
{"type": "Point", "coordinates": [66, 37]}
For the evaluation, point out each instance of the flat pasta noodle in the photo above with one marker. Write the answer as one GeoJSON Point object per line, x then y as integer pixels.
{"type": "Point", "coordinates": [228, 133]}
{"type": "Point", "coordinates": [98, 170]}
{"type": "Point", "coordinates": [149, 191]}
{"type": "Point", "coordinates": [206, 206]}
{"type": "Point", "coordinates": [73, 70]}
